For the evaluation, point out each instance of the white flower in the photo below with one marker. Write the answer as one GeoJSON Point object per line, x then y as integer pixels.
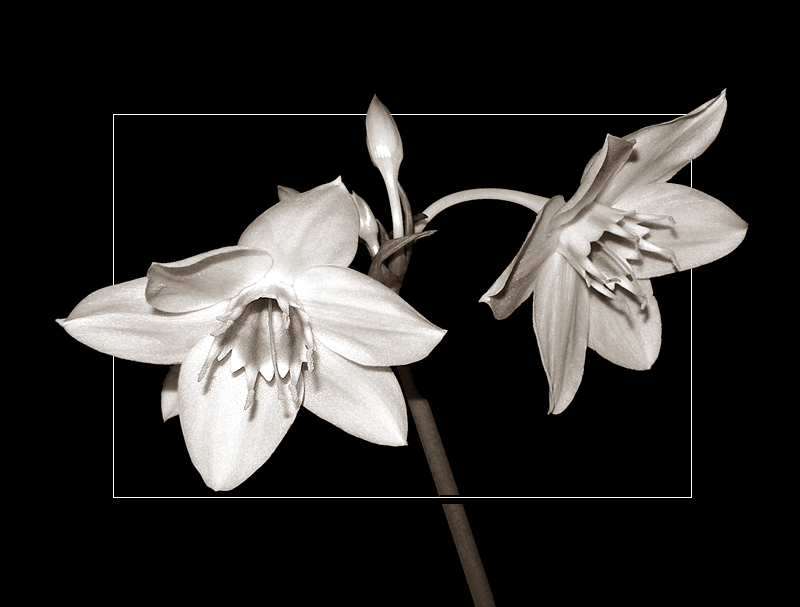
{"type": "Point", "coordinates": [261, 328]}
{"type": "Point", "coordinates": [588, 261]}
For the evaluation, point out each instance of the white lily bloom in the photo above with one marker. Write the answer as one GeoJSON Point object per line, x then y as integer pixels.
{"type": "Point", "coordinates": [276, 322]}
{"type": "Point", "coordinates": [623, 226]}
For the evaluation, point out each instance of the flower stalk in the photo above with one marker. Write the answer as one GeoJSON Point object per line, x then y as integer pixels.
{"type": "Point", "coordinates": [428, 434]}
{"type": "Point", "coordinates": [468, 555]}
{"type": "Point", "coordinates": [529, 201]}
{"type": "Point", "coordinates": [446, 485]}
{"type": "Point", "coordinates": [389, 265]}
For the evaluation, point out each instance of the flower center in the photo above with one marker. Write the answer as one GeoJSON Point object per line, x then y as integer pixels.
{"type": "Point", "coordinates": [266, 331]}
{"type": "Point", "coordinates": [600, 241]}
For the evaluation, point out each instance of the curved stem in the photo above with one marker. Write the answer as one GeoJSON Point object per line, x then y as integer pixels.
{"type": "Point", "coordinates": [530, 201]}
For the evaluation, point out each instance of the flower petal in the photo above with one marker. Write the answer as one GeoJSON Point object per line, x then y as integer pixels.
{"type": "Point", "coordinates": [663, 149]}
{"type": "Point", "coordinates": [226, 442]}
{"type": "Point", "coordinates": [515, 284]}
{"type": "Point", "coordinates": [601, 170]}
{"type": "Point", "coordinates": [318, 227]}
{"type": "Point", "coordinates": [629, 338]}
{"type": "Point", "coordinates": [705, 229]}
{"type": "Point", "coordinates": [285, 193]}
{"type": "Point", "coordinates": [118, 321]}
{"type": "Point", "coordinates": [561, 323]}
{"type": "Point", "coordinates": [169, 393]}
{"type": "Point", "coordinates": [203, 280]}
{"type": "Point", "coordinates": [363, 401]}
{"type": "Point", "coordinates": [362, 320]}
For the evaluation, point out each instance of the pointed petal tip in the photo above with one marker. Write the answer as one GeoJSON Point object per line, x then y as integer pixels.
{"type": "Point", "coordinates": [169, 393]}
{"type": "Point", "coordinates": [499, 311]}
{"type": "Point", "coordinates": [226, 443]}
{"type": "Point", "coordinates": [376, 104]}
{"type": "Point", "coordinates": [220, 484]}
{"type": "Point", "coordinates": [117, 321]}
{"type": "Point", "coordinates": [721, 100]}
{"type": "Point", "coordinates": [285, 193]}
{"type": "Point", "coordinates": [366, 402]}
{"type": "Point", "coordinates": [559, 407]}
{"type": "Point", "coordinates": [317, 227]}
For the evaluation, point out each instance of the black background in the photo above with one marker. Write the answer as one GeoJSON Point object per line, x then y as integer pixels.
{"type": "Point", "coordinates": [187, 184]}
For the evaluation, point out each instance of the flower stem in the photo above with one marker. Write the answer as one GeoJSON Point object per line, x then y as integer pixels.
{"type": "Point", "coordinates": [530, 201]}
{"type": "Point", "coordinates": [396, 206]}
{"type": "Point", "coordinates": [468, 555]}
{"type": "Point", "coordinates": [446, 485]}
{"type": "Point", "coordinates": [428, 434]}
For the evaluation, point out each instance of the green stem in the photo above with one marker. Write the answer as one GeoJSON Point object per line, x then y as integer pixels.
{"type": "Point", "coordinates": [446, 485]}
{"type": "Point", "coordinates": [530, 201]}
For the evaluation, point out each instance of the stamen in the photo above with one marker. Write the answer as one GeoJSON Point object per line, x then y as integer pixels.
{"type": "Point", "coordinates": [212, 354]}
{"type": "Point", "coordinates": [661, 220]}
{"type": "Point", "coordinates": [593, 271]}
{"type": "Point", "coordinates": [269, 364]}
{"type": "Point", "coordinates": [634, 229]}
{"type": "Point", "coordinates": [618, 230]}
{"type": "Point", "coordinates": [668, 253]}
{"type": "Point", "coordinates": [217, 351]}
{"type": "Point", "coordinates": [282, 353]}
{"type": "Point", "coordinates": [264, 343]}
{"type": "Point", "coordinates": [632, 286]}
{"type": "Point", "coordinates": [631, 225]}
{"type": "Point", "coordinates": [603, 290]}
{"type": "Point", "coordinates": [620, 262]}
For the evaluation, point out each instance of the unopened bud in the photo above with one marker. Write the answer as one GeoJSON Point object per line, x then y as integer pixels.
{"type": "Point", "coordinates": [383, 138]}
{"type": "Point", "coordinates": [386, 151]}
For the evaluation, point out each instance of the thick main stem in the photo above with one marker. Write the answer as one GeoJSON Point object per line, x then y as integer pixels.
{"type": "Point", "coordinates": [468, 555]}
{"type": "Point", "coordinates": [428, 434]}
{"type": "Point", "coordinates": [446, 485]}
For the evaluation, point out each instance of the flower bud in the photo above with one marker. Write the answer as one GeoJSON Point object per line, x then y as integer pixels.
{"type": "Point", "coordinates": [368, 232]}
{"type": "Point", "coordinates": [386, 151]}
{"type": "Point", "coordinates": [383, 138]}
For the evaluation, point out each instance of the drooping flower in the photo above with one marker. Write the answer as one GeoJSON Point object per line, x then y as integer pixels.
{"type": "Point", "coordinates": [276, 322]}
{"type": "Point", "coordinates": [588, 261]}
